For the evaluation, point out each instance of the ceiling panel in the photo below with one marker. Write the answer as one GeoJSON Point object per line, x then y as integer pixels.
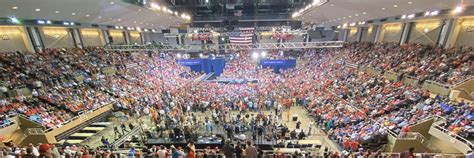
{"type": "Point", "coordinates": [109, 12]}
{"type": "Point", "coordinates": [348, 11]}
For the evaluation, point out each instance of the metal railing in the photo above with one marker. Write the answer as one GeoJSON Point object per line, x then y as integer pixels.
{"type": "Point", "coordinates": [34, 131]}
{"type": "Point", "coordinates": [81, 115]}
{"type": "Point", "coordinates": [289, 45]}
{"type": "Point", "coordinates": [455, 136]}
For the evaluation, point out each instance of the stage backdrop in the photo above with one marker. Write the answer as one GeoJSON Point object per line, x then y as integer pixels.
{"type": "Point", "coordinates": [278, 65]}
{"type": "Point", "coordinates": [204, 65]}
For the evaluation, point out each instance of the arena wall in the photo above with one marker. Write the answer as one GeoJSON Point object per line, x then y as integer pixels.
{"type": "Point", "coordinates": [13, 38]}
{"type": "Point", "coordinates": [92, 37]}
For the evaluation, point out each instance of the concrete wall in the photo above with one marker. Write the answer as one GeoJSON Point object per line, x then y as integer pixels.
{"type": "Point", "coordinates": [368, 34]}
{"type": "Point", "coordinates": [135, 37]}
{"type": "Point", "coordinates": [92, 37]}
{"type": "Point", "coordinates": [391, 32]}
{"type": "Point", "coordinates": [425, 32]}
{"type": "Point", "coordinates": [465, 32]}
{"type": "Point", "coordinates": [352, 37]}
{"type": "Point", "coordinates": [13, 38]}
{"type": "Point", "coordinates": [56, 37]}
{"type": "Point", "coordinates": [51, 135]}
{"type": "Point", "coordinates": [150, 37]}
{"type": "Point", "coordinates": [117, 36]}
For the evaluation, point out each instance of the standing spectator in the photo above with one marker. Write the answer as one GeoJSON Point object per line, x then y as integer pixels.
{"type": "Point", "coordinates": [238, 150]}
{"type": "Point", "coordinates": [228, 150]}
{"type": "Point", "coordinates": [250, 151]}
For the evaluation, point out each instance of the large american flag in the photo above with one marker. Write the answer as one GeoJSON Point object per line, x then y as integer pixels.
{"type": "Point", "coordinates": [243, 36]}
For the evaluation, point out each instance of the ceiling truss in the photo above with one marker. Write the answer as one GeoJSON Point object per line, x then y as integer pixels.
{"type": "Point", "coordinates": [257, 46]}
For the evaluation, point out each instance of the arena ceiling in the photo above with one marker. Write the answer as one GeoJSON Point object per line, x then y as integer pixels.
{"type": "Point", "coordinates": [337, 12]}
{"type": "Point", "coordinates": [118, 12]}
{"type": "Point", "coordinates": [108, 12]}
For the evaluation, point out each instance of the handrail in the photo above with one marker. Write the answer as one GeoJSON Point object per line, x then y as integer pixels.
{"type": "Point", "coordinates": [123, 138]}
{"type": "Point", "coordinates": [79, 116]}
{"type": "Point", "coordinates": [462, 81]}
{"type": "Point", "coordinates": [458, 137]}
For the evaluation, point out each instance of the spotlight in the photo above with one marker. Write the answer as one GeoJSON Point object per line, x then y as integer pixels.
{"type": "Point", "coordinates": [458, 9]}
{"type": "Point", "coordinates": [154, 6]}
{"type": "Point", "coordinates": [426, 30]}
{"type": "Point", "coordinates": [201, 55]}
{"type": "Point", "coordinates": [72, 23]}
{"type": "Point", "coordinates": [427, 13]}
{"type": "Point", "coordinates": [48, 22]}
{"type": "Point", "coordinates": [344, 25]}
{"type": "Point", "coordinates": [404, 16]}
{"type": "Point", "coordinates": [434, 13]}
{"type": "Point", "coordinates": [178, 55]}
{"type": "Point", "coordinates": [264, 54]}
{"type": "Point", "coordinates": [411, 16]}
{"type": "Point", "coordinates": [352, 24]}
{"type": "Point", "coordinates": [14, 20]}
{"type": "Point", "coordinates": [66, 23]}
{"type": "Point", "coordinates": [41, 22]}
{"type": "Point", "coordinates": [254, 55]}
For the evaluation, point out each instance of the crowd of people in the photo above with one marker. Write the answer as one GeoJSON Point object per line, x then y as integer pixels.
{"type": "Point", "coordinates": [447, 66]}
{"type": "Point", "coordinates": [355, 108]}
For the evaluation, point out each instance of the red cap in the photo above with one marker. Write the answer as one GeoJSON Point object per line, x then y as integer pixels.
{"type": "Point", "coordinates": [44, 147]}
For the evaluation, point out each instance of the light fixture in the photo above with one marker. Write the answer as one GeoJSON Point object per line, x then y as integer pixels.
{"type": "Point", "coordinates": [119, 19]}
{"type": "Point", "coordinates": [426, 30]}
{"type": "Point", "coordinates": [404, 17]}
{"type": "Point", "coordinates": [356, 15]}
{"type": "Point", "coordinates": [178, 55]}
{"type": "Point", "coordinates": [201, 55]}
{"type": "Point", "coordinates": [41, 22]}
{"type": "Point", "coordinates": [117, 27]}
{"type": "Point", "coordinates": [37, 9]}
{"type": "Point", "coordinates": [458, 9]}
{"type": "Point", "coordinates": [427, 13]}
{"type": "Point", "coordinates": [264, 53]}
{"type": "Point", "coordinates": [411, 16]}
{"type": "Point", "coordinates": [254, 55]}
{"type": "Point", "coordinates": [57, 11]}
{"type": "Point", "coordinates": [66, 23]}
{"type": "Point", "coordinates": [344, 25]}
{"type": "Point", "coordinates": [135, 22]}
{"type": "Point", "coordinates": [395, 6]}
{"type": "Point", "coordinates": [72, 23]}
{"type": "Point", "coordinates": [338, 26]}
{"type": "Point", "coordinates": [352, 24]}
{"type": "Point", "coordinates": [139, 10]}
{"type": "Point", "coordinates": [383, 8]}
{"type": "Point", "coordinates": [73, 13]}
{"type": "Point", "coordinates": [48, 22]}
{"type": "Point", "coordinates": [14, 20]}
{"type": "Point", "coordinates": [409, 2]}
{"type": "Point", "coordinates": [98, 17]}
{"type": "Point", "coordinates": [434, 13]}
{"type": "Point", "coordinates": [14, 7]}
{"type": "Point", "coordinates": [112, 2]}
{"type": "Point", "coordinates": [155, 6]}
{"type": "Point", "coordinates": [364, 13]}
{"type": "Point", "coordinates": [146, 30]}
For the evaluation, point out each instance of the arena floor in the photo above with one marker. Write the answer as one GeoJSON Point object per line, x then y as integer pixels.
{"type": "Point", "coordinates": [316, 135]}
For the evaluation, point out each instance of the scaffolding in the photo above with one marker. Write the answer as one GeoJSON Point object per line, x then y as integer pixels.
{"type": "Point", "coordinates": [207, 47]}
